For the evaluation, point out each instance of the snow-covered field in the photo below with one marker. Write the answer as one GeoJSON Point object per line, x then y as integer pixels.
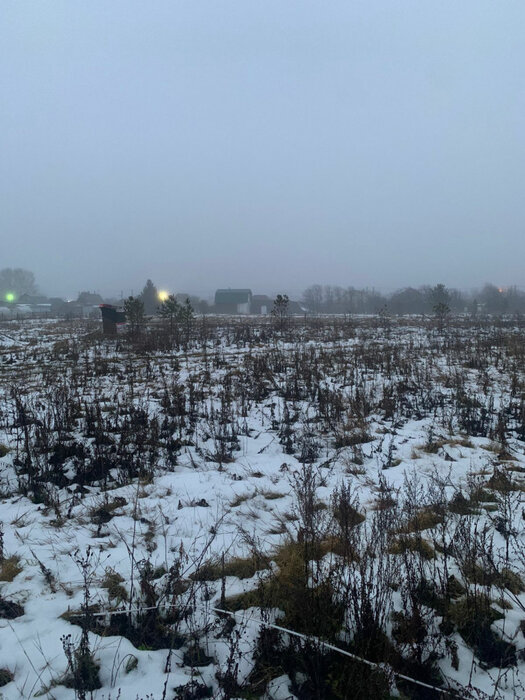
{"type": "Point", "coordinates": [357, 481]}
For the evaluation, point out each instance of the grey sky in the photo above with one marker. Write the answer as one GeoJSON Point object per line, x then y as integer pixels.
{"type": "Point", "coordinates": [270, 144]}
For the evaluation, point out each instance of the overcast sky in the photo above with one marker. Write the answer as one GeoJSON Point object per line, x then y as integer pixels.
{"type": "Point", "coordinates": [262, 143]}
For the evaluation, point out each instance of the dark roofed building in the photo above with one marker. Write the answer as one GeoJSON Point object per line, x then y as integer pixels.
{"type": "Point", "coordinates": [233, 301]}
{"type": "Point", "coordinates": [295, 308]}
{"type": "Point", "coordinates": [261, 304]}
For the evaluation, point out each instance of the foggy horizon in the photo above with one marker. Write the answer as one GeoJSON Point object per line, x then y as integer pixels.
{"type": "Point", "coordinates": [271, 146]}
{"type": "Point", "coordinates": [207, 294]}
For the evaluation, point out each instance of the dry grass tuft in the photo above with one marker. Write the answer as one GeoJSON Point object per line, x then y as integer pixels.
{"type": "Point", "coordinates": [10, 568]}
{"type": "Point", "coordinates": [271, 495]}
{"type": "Point", "coordinates": [240, 567]}
{"type": "Point", "coordinates": [112, 582]}
{"type": "Point", "coordinates": [403, 544]}
{"type": "Point", "coordinates": [240, 499]}
{"type": "Point", "coordinates": [425, 519]}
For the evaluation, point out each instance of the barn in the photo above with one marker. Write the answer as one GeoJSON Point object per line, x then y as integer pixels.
{"type": "Point", "coordinates": [233, 301]}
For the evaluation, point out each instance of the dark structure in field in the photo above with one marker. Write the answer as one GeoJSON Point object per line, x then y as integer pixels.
{"type": "Point", "coordinates": [233, 301]}
{"type": "Point", "coordinates": [261, 304]}
{"type": "Point", "coordinates": [111, 317]}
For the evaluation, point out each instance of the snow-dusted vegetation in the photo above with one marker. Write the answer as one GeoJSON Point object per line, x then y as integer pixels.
{"type": "Point", "coordinates": [172, 500]}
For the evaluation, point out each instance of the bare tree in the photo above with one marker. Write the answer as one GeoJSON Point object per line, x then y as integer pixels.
{"type": "Point", "coordinates": [14, 282]}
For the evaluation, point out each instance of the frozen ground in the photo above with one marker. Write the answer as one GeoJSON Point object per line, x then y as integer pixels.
{"type": "Point", "coordinates": [140, 477]}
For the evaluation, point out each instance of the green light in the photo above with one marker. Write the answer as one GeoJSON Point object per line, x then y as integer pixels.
{"type": "Point", "coordinates": [10, 297]}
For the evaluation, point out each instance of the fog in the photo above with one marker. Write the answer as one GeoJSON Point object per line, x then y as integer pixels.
{"type": "Point", "coordinates": [263, 144]}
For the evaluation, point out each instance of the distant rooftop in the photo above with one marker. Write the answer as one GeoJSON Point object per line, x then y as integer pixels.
{"type": "Point", "coordinates": [233, 296]}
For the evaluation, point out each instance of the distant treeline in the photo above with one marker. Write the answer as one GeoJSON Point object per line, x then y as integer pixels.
{"type": "Point", "coordinates": [409, 300]}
